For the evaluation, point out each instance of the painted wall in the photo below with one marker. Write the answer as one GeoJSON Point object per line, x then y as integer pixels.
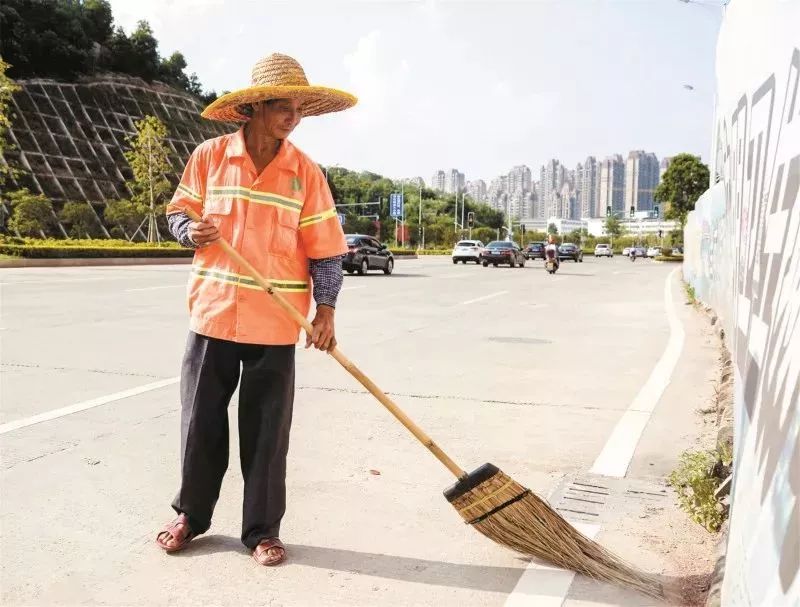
{"type": "Point", "coordinates": [743, 258]}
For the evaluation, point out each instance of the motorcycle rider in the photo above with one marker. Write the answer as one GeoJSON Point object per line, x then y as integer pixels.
{"type": "Point", "coordinates": [551, 250]}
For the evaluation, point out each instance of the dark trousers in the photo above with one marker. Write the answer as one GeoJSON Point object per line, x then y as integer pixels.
{"type": "Point", "coordinates": [210, 373]}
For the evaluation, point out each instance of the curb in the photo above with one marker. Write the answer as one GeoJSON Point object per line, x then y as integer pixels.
{"type": "Point", "coordinates": [25, 262]}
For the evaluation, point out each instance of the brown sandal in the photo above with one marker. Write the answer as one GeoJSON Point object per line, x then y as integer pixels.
{"type": "Point", "coordinates": [263, 557]}
{"type": "Point", "coordinates": [179, 530]}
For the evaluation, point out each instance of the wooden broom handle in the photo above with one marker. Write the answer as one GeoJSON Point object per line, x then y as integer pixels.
{"type": "Point", "coordinates": [365, 381]}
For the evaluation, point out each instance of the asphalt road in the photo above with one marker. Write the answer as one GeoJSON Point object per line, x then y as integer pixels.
{"type": "Point", "coordinates": [513, 366]}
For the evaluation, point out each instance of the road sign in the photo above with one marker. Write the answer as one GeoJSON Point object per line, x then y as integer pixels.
{"type": "Point", "coordinates": [396, 205]}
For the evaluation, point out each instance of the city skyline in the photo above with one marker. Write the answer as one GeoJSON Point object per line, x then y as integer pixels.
{"type": "Point", "coordinates": [615, 181]}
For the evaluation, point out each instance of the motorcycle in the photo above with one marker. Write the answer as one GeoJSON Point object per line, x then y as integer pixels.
{"type": "Point", "coordinates": [550, 263]}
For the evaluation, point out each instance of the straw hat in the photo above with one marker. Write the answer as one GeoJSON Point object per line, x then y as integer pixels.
{"type": "Point", "coordinates": [279, 77]}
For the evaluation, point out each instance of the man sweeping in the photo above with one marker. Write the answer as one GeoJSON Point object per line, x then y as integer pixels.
{"type": "Point", "coordinates": [272, 203]}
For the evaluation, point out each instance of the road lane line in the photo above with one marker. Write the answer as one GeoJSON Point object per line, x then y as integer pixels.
{"type": "Point", "coordinates": [183, 284]}
{"type": "Point", "coordinates": [544, 585]}
{"type": "Point", "coordinates": [83, 406]}
{"type": "Point", "coordinates": [352, 288]}
{"type": "Point", "coordinates": [485, 297]}
{"type": "Point", "coordinates": [618, 451]}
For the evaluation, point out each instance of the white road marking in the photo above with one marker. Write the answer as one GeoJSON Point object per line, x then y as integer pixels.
{"type": "Point", "coordinates": [154, 288]}
{"type": "Point", "coordinates": [544, 585]}
{"type": "Point", "coordinates": [83, 406]}
{"type": "Point", "coordinates": [352, 288]}
{"type": "Point", "coordinates": [618, 451]}
{"type": "Point", "coordinates": [57, 280]}
{"type": "Point", "coordinates": [485, 297]}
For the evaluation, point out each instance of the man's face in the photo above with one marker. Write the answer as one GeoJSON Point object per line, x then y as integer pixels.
{"type": "Point", "coordinates": [279, 117]}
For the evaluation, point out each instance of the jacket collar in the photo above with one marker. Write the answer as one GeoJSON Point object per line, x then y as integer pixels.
{"type": "Point", "coordinates": [286, 159]}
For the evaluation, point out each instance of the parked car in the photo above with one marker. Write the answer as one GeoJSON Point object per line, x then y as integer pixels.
{"type": "Point", "coordinates": [626, 251]}
{"type": "Point", "coordinates": [571, 251]}
{"type": "Point", "coordinates": [365, 253]}
{"type": "Point", "coordinates": [653, 251]}
{"type": "Point", "coordinates": [467, 250]}
{"type": "Point", "coordinates": [603, 250]}
{"type": "Point", "coordinates": [677, 250]}
{"type": "Point", "coordinates": [534, 250]}
{"type": "Point", "coordinates": [502, 251]}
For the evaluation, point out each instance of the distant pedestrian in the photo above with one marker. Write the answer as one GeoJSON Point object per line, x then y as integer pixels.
{"type": "Point", "coordinates": [272, 203]}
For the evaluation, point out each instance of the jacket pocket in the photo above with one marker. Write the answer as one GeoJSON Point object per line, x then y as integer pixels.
{"type": "Point", "coordinates": [283, 238]}
{"type": "Point", "coordinates": [217, 210]}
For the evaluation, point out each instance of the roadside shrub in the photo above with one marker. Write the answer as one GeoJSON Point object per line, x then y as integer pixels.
{"type": "Point", "coordinates": [696, 483]}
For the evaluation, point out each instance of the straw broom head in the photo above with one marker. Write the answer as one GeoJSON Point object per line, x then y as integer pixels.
{"type": "Point", "coordinates": [513, 516]}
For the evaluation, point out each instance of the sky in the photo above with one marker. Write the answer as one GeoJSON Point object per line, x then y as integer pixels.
{"type": "Point", "coordinates": [481, 86]}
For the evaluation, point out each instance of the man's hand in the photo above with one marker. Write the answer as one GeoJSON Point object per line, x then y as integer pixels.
{"type": "Point", "coordinates": [323, 337]}
{"type": "Point", "coordinates": [203, 233]}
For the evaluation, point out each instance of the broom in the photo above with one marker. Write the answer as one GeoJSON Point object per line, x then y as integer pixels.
{"type": "Point", "coordinates": [487, 499]}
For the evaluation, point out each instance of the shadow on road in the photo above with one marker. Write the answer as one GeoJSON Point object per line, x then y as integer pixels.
{"type": "Point", "coordinates": [487, 578]}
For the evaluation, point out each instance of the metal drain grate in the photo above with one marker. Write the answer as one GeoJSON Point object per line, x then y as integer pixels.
{"type": "Point", "coordinates": [596, 499]}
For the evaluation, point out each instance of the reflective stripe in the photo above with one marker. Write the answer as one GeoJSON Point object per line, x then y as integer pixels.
{"type": "Point", "coordinates": [257, 197]}
{"type": "Point", "coordinates": [190, 193]}
{"type": "Point", "coordinates": [240, 280]}
{"type": "Point", "coordinates": [307, 221]}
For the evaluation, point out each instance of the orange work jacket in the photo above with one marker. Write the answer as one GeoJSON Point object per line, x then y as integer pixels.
{"type": "Point", "coordinates": [277, 220]}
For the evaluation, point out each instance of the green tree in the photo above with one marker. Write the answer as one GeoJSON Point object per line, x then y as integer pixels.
{"type": "Point", "coordinates": [681, 185]}
{"type": "Point", "coordinates": [98, 20]}
{"type": "Point", "coordinates": [613, 227]}
{"type": "Point", "coordinates": [552, 229]}
{"type": "Point", "coordinates": [31, 215]}
{"type": "Point", "coordinates": [145, 49]}
{"type": "Point", "coordinates": [7, 88]}
{"type": "Point", "coordinates": [80, 219]}
{"type": "Point", "coordinates": [149, 159]}
{"type": "Point", "coordinates": [125, 214]}
{"type": "Point", "coordinates": [171, 71]}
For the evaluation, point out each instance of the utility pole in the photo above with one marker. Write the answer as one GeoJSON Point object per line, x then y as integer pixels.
{"type": "Point", "coordinates": [420, 238]}
{"type": "Point", "coordinates": [463, 206]}
{"type": "Point", "coordinates": [403, 215]}
{"type": "Point", "coordinates": [455, 217]}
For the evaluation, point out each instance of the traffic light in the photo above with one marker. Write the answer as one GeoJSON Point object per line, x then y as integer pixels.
{"type": "Point", "coordinates": [655, 211]}
{"type": "Point", "coordinates": [633, 210]}
{"type": "Point", "coordinates": [608, 211]}
{"type": "Point", "coordinates": [523, 229]}
{"type": "Point", "coordinates": [660, 233]}
{"type": "Point", "coordinates": [470, 219]}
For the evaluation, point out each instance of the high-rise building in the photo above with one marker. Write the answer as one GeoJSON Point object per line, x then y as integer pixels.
{"type": "Point", "coordinates": [552, 177]}
{"type": "Point", "coordinates": [641, 179]}
{"type": "Point", "coordinates": [498, 188]}
{"type": "Point", "coordinates": [538, 208]}
{"type": "Point", "coordinates": [477, 190]}
{"type": "Point", "coordinates": [663, 166]}
{"type": "Point", "coordinates": [455, 182]}
{"type": "Point", "coordinates": [587, 189]}
{"type": "Point", "coordinates": [611, 184]}
{"type": "Point", "coordinates": [519, 179]}
{"type": "Point", "coordinates": [439, 181]}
